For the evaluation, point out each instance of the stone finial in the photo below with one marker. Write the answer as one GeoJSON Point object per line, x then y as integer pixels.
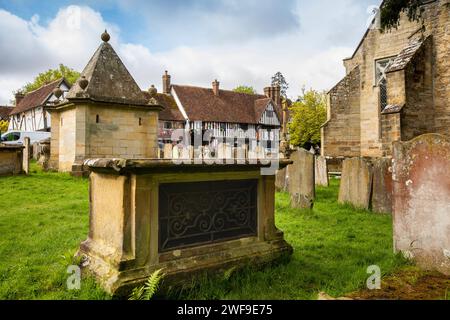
{"type": "Point", "coordinates": [57, 92]}
{"type": "Point", "coordinates": [105, 36]}
{"type": "Point", "coordinates": [83, 82]}
{"type": "Point", "coordinates": [152, 90]}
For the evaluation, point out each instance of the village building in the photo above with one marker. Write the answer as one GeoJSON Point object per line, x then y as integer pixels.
{"type": "Point", "coordinates": [4, 113]}
{"type": "Point", "coordinates": [31, 110]}
{"type": "Point", "coordinates": [396, 87]}
{"type": "Point", "coordinates": [224, 114]}
{"type": "Point", "coordinates": [106, 115]}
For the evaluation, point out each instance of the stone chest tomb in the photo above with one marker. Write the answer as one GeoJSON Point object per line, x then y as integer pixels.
{"type": "Point", "coordinates": [152, 214]}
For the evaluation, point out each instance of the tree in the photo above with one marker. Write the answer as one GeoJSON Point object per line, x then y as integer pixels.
{"type": "Point", "coordinates": [309, 113]}
{"type": "Point", "coordinates": [3, 126]}
{"type": "Point", "coordinates": [245, 89]}
{"type": "Point", "coordinates": [279, 80]}
{"type": "Point", "coordinates": [50, 76]}
{"type": "Point", "coordinates": [391, 10]}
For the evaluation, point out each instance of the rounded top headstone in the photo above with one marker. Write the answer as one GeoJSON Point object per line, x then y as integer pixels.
{"type": "Point", "coordinates": [105, 36]}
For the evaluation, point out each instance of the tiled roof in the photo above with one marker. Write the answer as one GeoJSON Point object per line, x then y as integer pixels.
{"type": "Point", "coordinates": [392, 109]}
{"type": "Point", "coordinates": [170, 111]}
{"type": "Point", "coordinates": [108, 80]}
{"type": "Point", "coordinates": [4, 112]}
{"type": "Point", "coordinates": [37, 97]}
{"type": "Point", "coordinates": [201, 104]}
{"type": "Point", "coordinates": [405, 56]}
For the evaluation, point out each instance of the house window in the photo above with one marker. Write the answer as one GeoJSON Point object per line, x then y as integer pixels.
{"type": "Point", "coordinates": [269, 113]}
{"type": "Point", "coordinates": [97, 119]}
{"type": "Point", "coordinates": [140, 121]}
{"type": "Point", "coordinates": [168, 125]}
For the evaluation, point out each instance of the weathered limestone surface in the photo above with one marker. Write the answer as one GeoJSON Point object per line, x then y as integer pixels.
{"type": "Point", "coordinates": [356, 182]}
{"type": "Point", "coordinates": [321, 172]}
{"type": "Point", "coordinates": [26, 155]}
{"type": "Point", "coordinates": [382, 185]}
{"type": "Point", "coordinates": [301, 179]}
{"type": "Point", "coordinates": [421, 200]}
{"type": "Point", "coordinates": [10, 160]}
{"type": "Point", "coordinates": [281, 180]}
{"type": "Point", "coordinates": [123, 247]}
{"type": "Point", "coordinates": [419, 89]}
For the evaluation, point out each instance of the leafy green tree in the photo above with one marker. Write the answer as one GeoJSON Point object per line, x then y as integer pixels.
{"type": "Point", "coordinates": [50, 76]}
{"type": "Point", "coordinates": [308, 114]}
{"type": "Point", "coordinates": [3, 126]}
{"type": "Point", "coordinates": [391, 10]}
{"type": "Point", "coordinates": [245, 89]}
{"type": "Point", "coordinates": [279, 80]}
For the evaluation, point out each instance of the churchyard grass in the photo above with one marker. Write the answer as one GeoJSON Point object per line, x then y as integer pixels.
{"type": "Point", "coordinates": [44, 217]}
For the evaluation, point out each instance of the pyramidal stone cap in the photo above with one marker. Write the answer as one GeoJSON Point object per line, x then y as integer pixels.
{"type": "Point", "coordinates": [106, 79]}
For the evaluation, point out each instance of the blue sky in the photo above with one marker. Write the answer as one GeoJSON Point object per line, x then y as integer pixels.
{"type": "Point", "coordinates": [236, 41]}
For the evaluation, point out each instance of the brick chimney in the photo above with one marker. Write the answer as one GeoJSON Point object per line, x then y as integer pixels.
{"type": "Point", "coordinates": [166, 82]}
{"type": "Point", "coordinates": [215, 86]}
{"type": "Point", "coordinates": [276, 97]}
{"type": "Point", "coordinates": [274, 93]}
{"type": "Point", "coordinates": [19, 96]}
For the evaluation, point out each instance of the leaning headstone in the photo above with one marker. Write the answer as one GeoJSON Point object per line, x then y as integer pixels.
{"type": "Point", "coordinates": [321, 174]}
{"type": "Point", "coordinates": [301, 179]}
{"type": "Point", "coordinates": [36, 151]}
{"type": "Point", "coordinates": [26, 155]}
{"type": "Point", "coordinates": [382, 185]}
{"type": "Point", "coordinates": [44, 154]}
{"type": "Point", "coordinates": [356, 182]}
{"type": "Point", "coordinates": [176, 153]}
{"type": "Point", "coordinates": [421, 201]}
{"type": "Point", "coordinates": [280, 180]}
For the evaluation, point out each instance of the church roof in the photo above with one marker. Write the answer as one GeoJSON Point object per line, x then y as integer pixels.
{"type": "Point", "coordinates": [108, 80]}
{"type": "Point", "coordinates": [406, 55]}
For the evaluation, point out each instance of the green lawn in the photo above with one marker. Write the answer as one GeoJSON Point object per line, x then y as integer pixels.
{"type": "Point", "coordinates": [44, 217]}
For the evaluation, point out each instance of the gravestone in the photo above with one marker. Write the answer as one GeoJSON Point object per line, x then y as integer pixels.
{"type": "Point", "coordinates": [184, 219]}
{"type": "Point", "coordinates": [321, 173]}
{"type": "Point", "coordinates": [11, 159]}
{"type": "Point", "coordinates": [356, 182]}
{"type": "Point", "coordinates": [421, 201]}
{"type": "Point", "coordinates": [44, 154]}
{"type": "Point", "coordinates": [168, 149]}
{"type": "Point", "coordinates": [382, 185]}
{"type": "Point", "coordinates": [176, 152]}
{"type": "Point", "coordinates": [26, 155]}
{"type": "Point", "coordinates": [301, 179]}
{"type": "Point", "coordinates": [225, 151]}
{"type": "Point", "coordinates": [281, 180]}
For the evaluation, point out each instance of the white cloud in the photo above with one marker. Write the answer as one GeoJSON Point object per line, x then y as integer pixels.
{"type": "Point", "coordinates": [71, 37]}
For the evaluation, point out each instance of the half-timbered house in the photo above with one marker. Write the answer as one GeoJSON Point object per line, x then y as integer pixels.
{"type": "Point", "coordinates": [224, 114]}
{"type": "Point", "coordinates": [30, 112]}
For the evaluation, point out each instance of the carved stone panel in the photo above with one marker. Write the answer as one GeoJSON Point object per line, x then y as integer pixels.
{"type": "Point", "coordinates": [200, 213]}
